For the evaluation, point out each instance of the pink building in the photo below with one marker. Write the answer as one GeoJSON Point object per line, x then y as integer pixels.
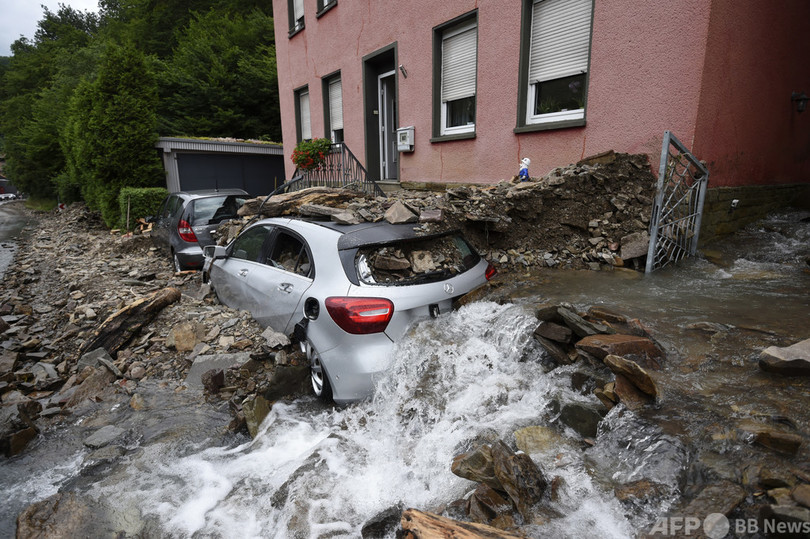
{"type": "Point", "coordinates": [485, 83]}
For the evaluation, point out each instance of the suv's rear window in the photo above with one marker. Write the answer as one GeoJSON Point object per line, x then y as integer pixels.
{"type": "Point", "coordinates": [415, 261]}
{"type": "Point", "coordinates": [211, 210]}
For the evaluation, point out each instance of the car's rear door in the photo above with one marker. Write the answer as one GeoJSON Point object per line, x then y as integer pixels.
{"type": "Point", "coordinates": [230, 275]}
{"type": "Point", "coordinates": [277, 288]}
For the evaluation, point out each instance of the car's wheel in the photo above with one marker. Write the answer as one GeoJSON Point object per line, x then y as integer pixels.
{"type": "Point", "coordinates": [318, 376]}
{"type": "Point", "coordinates": [178, 267]}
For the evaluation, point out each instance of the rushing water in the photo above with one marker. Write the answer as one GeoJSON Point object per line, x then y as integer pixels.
{"type": "Point", "coordinates": [12, 224]}
{"type": "Point", "coordinates": [470, 376]}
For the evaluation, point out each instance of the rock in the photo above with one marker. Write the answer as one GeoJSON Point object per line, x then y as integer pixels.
{"type": "Point", "coordinates": [634, 245]}
{"type": "Point", "coordinates": [213, 380]}
{"type": "Point", "coordinates": [63, 515]}
{"type": "Point", "coordinates": [538, 439]}
{"type": "Point", "coordinates": [722, 497]}
{"type": "Point", "coordinates": [556, 352]}
{"type": "Point", "coordinates": [137, 402]}
{"type": "Point", "coordinates": [422, 262]}
{"type": "Point", "coordinates": [520, 478]}
{"type": "Point", "coordinates": [103, 436]}
{"type": "Point", "coordinates": [581, 418]}
{"type": "Point", "coordinates": [8, 361]}
{"type": "Point", "coordinates": [641, 490]}
{"type": "Point", "coordinates": [383, 524]}
{"type": "Point", "coordinates": [346, 218]}
{"type": "Point", "coordinates": [391, 263]}
{"type": "Point", "coordinates": [92, 387]}
{"type": "Point", "coordinates": [486, 504]}
{"type": "Point", "coordinates": [398, 214]}
{"type": "Point", "coordinates": [203, 363]}
{"type": "Point", "coordinates": [639, 349]}
{"type": "Point", "coordinates": [554, 332]}
{"type": "Point", "coordinates": [628, 394]}
{"type": "Point", "coordinates": [289, 381]}
{"type": "Point", "coordinates": [781, 496]}
{"type": "Point", "coordinates": [16, 431]}
{"type": "Point", "coordinates": [579, 325]}
{"type": "Point", "coordinates": [772, 438]}
{"type": "Point", "coordinates": [790, 520]}
{"type": "Point", "coordinates": [92, 358]}
{"type": "Point", "coordinates": [184, 336]}
{"type": "Point", "coordinates": [256, 409]}
{"type": "Point", "coordinates": [801, 493]}
{"type": "Point", "coordinates": [638, 376]}
{"type": "Point", "coordinates": [476, 465]}
{"type": "Point", "coordinates": [431, 216]}
{"type": "Point", "coordinates": [786, 367]}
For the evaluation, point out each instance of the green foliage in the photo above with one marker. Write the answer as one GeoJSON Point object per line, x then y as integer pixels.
{"type": "Point", "coordinates": [222, 79]}
{"type": "Point", "coordinates": [142, 202]}
{"type": "Point", "coordinates": [111, 135]}
{"type": "Point", "coordinates": [310, 154]}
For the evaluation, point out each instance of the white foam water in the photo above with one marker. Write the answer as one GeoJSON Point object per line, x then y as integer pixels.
{"type": "Point", "coordinates": [316, 471]}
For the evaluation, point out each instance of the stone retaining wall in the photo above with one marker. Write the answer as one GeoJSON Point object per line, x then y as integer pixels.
{"type": "Point", "coordinates": [755, 202]}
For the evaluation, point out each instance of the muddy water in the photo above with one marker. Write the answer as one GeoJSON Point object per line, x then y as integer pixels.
{"type": "Point", "coordinates": [12, 223]}
{"type": "Point", "coordinates": [472, 375]}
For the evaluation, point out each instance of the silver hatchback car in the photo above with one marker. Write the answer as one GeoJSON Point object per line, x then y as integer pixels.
{"type": "Point", "coordinates": [346, 293]}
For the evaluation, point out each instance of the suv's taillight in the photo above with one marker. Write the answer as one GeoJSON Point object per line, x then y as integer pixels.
{"type": "Point", "coordinates": [490, 271]}
{"type": "Point", "coordinates": [185, 231]}
{"type": "Point", "coordinates": [360, 316]}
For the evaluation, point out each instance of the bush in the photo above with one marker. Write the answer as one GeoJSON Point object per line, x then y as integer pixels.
{"type": "Point", "coordinates": [143, 202]}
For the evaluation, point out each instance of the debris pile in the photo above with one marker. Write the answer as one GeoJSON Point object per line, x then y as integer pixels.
{"type": "Point", "coordinates": [591, 215]}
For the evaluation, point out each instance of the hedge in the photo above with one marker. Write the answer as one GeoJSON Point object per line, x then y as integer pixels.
{"type": "Point", "coordinates": [143, 202]}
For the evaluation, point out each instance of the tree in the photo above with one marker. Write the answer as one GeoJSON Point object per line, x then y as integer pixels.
{"type": "Point", "coordinates": [222, 79]}
{"type": "Point", "coordinates": [110, 135]}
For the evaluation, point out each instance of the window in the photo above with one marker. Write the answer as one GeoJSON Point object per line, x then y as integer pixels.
{"type": "Point", "coordinates": [324, 6]}
{"type": "Point", "coordinates": [248, 245]}
{"type": "Point", "coordinates": [295, 8]}
{"type": "Point", "coordinates": [333, 105]}
{"type": "Point", "coordinates": [455, 46]}
{"type": "Point", "coordinates": [554, 70]}
{"type": "Point", "coordinates": [290, 254]}
{"type": "Point", "coordinates": [302, 114]}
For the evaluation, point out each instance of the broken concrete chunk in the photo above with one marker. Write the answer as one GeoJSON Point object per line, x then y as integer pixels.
{"type": "Point", "coordinates": [400, 214]}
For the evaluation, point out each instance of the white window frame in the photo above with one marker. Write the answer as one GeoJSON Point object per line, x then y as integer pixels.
{"type": "Point", "coordinates": [304, 112]}
{"type": "Point", "coordinates": [335, 91]}
{"type": "Point", "coordinates": [447, 34]}
{"type": "Point", "coordinates": [580, 51]}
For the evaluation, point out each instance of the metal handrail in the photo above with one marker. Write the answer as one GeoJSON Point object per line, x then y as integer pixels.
{"type": "Point", "coordinates": [340, 169]}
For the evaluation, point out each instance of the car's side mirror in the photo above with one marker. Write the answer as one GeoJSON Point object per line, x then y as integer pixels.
{"type": "Point", "coordinates": [215, 252]}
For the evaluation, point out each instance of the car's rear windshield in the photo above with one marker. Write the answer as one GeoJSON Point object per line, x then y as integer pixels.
{"type": "Point", "coordinates": [415, 261]}
{"type": "Point", "coordinates": [211, 210]}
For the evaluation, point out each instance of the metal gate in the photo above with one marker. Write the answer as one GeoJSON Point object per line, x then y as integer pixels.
{"type": "Point", "coordinates": [678, 206]}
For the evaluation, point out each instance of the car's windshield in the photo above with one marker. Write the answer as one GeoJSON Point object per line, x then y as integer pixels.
{"type": "Point", "coordinates": [415, 261]}
{"type": "Point", "coordinates": [211, 210]}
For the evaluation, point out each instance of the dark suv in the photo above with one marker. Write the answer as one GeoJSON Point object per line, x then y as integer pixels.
{"type": "Point", "coordinates": [184, 224]}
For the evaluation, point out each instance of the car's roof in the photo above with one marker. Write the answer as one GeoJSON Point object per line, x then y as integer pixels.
{"type": "Point", "coordinates": [211, 192]}
{"type": "Point", "coordinates": [363, 234]}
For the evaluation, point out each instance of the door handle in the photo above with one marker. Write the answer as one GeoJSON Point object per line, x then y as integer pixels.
{"type": "Point", "coordinates": [243, 272]}
{"type": "Point", "coordinates": [285, 287]}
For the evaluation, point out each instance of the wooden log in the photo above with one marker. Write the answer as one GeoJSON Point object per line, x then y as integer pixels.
{"type": "Point", "coordinates": [422, 525]}
{"type": "Point", "coordinates": [116, 331]}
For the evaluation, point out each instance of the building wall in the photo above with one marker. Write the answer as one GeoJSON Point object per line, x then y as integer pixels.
{"type": "Point", "coordinates": [654, 66]}
{"type": "Point", "coordinates": [748, 131]}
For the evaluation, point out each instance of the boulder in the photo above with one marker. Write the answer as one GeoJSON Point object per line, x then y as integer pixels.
{"type": "Point", "coordinates": [555, 350]}
{"type": "Point", "coordinates": [722, 497]}
{"type": "Point", "coordinates": [255, 408]}
{"type": "Point", "coordinates": [537, 439]}
{"type": "Point", "coordinates": [634, 245]}
{"type": "Point", "coordinates": [289, 381]}
{"type": "Point", "coordinates": [184, 336]}
{"type": "Point", "coordinates": [486, 504]}
{"type": "Point", "coordinates": [63, 515]}
{"type": "Point", "coordinates": [628, 394]}
{"type": "Point", "coordinates": [92, 387]}
{"type": "Point", "coordinates": [639, 349]}
{"type": "Point", "coordinates": [554, 332]}
{"type": "Point", "coordinates": [637, 375]}
{"type": "Point", "coordinates": [801, 493]}
{"type": "Point", "coordinates": [519, 477]}
{"type": "Point", "coordinates": [476, 465]}
{"type": "Point", "coordinates": [399, 214]}
{"type": "Point", "coordinates": [103, 436]}
{"type": "Point", "coordinates": [772, 438]}
{"type": "Point", "coordinates": [582, 418]}
{"type": "Point", "coordinates": [579, 325]}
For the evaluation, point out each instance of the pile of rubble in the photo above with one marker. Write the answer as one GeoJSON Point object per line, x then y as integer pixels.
{"type": "Point", "coordinates": [553, 221]}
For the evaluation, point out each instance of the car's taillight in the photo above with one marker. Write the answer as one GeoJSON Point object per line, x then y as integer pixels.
{"type": "Point", "coordinates": [360, 316]}
{"type": "Point", "coordinates": [185, 231]}
{"type": "Point", "coordinates": [490, 271]}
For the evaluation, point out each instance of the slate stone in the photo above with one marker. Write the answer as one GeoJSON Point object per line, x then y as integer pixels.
{"type": "Point", "coordinates": [103, 436]}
